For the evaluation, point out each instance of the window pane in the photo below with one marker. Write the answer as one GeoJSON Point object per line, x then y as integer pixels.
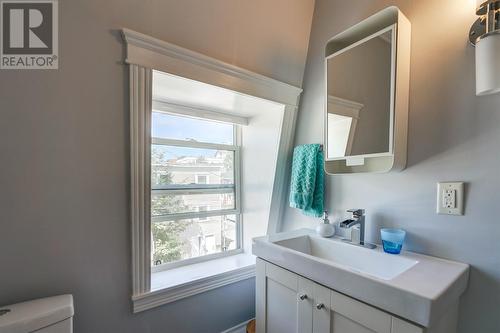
{"type": "Point", "coordinates": [169, 126]}
{"type": "Point", "coordinates": [179, 165]}
{"type": "Point", "coordinates": [184, 239]}
{"type": "Point", "coordinates": [162, 204]}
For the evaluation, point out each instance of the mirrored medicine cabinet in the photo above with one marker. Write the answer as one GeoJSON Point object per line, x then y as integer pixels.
{"type": "Point", "coordinates": [366, 106]}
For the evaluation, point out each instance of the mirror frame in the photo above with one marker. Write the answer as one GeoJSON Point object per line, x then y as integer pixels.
{"type": "Point", "coordinates": [389, 19]}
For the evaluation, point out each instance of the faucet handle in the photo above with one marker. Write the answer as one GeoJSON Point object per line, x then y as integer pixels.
{"type": "Point", "coordinates": [356, 212]}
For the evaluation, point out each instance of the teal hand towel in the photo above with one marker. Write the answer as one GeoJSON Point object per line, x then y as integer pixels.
{"type": "Point", "coordinates": [306, 185]}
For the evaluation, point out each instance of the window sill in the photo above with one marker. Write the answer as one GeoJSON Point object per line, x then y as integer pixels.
{"type": "Point", "coordinates": [178, 283]}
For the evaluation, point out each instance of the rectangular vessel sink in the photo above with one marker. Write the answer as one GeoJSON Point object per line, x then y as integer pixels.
{"type": "Point", "coordinates": [367, 261]}
{"type": "Point", "coordinates": [416, 287]}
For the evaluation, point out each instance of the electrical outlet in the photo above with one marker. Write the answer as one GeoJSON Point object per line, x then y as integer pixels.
{"type": "Point", "coordinates": [450, 198]}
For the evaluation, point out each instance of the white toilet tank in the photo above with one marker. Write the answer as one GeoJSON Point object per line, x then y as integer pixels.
{"type": "Point", "coordinates": [44, 315]}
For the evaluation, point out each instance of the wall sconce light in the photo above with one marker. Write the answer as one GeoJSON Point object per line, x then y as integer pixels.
{"type": "Point", "coordinates": [485, 36]}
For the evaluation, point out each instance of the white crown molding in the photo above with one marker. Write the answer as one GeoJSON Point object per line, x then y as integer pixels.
{"type": "Point", "coordinates": [156, 298]}
{"type": "Point", "coordinates": [157, 54]}
{"type": "Point", "coordinates": [344, 102]}
{"type": "Point", "coordinates": [344, 107]}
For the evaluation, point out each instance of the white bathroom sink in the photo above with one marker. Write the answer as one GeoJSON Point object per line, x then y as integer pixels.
{"type": "Point", "coordinates": [378, 264]}
{"type": "Point", "coordinates": [416, 287]}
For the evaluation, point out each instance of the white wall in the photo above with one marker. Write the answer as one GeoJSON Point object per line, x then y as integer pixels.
{"type": "Point", "coordinates": [453, 135]}
{"type": "Point", "coordinates": [64, 147]}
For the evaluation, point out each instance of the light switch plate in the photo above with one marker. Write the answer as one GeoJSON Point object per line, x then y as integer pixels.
{"type": "Point", "coordinates": [450, 198]}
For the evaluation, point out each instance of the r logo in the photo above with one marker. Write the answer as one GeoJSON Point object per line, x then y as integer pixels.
{"type": "Point", "coordinates": [28, 28]}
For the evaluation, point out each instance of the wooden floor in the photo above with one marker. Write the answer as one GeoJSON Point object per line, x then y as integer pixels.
{"type": "Point", "coordinates": [251, 326]}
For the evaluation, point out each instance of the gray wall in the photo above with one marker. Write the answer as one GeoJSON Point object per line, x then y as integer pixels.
{"type": "Point", "coordinates": [64, 189]}
{"type": "Point", "coordinates": [453, 135]}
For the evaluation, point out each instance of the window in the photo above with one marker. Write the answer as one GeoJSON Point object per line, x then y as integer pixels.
{"type": "Point", "coordinates": [193, 80]}
{"type": "Point", "coordinates": [201, 179]}
{"type": "Point", "coordinates": [194, 190]}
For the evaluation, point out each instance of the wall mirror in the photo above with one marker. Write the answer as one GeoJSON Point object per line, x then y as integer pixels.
{"type": "Point", "coordinates": [359, 98]}
{"type": "Point", "coordinates": [367, 78]}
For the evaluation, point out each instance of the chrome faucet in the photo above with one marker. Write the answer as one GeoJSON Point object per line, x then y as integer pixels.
{"type": "Point", "coordinates": [358, 218]}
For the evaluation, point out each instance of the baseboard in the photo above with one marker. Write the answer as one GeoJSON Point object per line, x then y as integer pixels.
{"type": "Point", "coordinates": [240, 328]}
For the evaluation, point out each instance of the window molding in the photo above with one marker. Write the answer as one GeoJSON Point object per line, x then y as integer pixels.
{"type": "Point", "coordinates": [150, 52]}
{"type": "Point", "coordinates": [167, 295]}
{"type": "Point", "coordinates": [347, 107]}
{"type": "Point", "coordinates": [140, 183]}
{"type": "Point", "coordinates": [144, 54]}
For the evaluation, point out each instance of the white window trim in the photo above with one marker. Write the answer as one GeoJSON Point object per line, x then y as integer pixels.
{"type": "Point", "coordinates": [145, 53]}
{"type": "Point", "coordinates": [220, 275]}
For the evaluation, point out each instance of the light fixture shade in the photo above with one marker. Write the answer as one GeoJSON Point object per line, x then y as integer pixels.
{"type": "Point", "coordinates": [488, 65]}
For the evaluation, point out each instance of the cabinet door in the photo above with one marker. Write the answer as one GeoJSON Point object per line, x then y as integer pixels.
{"type": "Point", "coordinates": [321, 309]}
{"type": "Point", "coordinates": [279, 305]}
{"type": "Point", "coordinates": [289, 303]}
{"type": "Point", "coordinates": [305, 306]}
{"type": "Point", "coordinates": [351, 316]}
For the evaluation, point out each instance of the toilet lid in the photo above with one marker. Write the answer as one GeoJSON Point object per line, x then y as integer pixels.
{"type": "Point", "coordinates": [36, 314]}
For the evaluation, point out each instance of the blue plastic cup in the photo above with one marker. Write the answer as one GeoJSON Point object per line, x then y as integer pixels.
{"type": "Point", "coordinates": [392, 240]}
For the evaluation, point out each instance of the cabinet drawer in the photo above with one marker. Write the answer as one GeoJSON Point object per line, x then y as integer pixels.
{"type": "Point", "coordinates": [401, 326]}
{"type": "Point", "coordinates": [286, 278]}
{"type": "Point", "coordinates": [370, 317]}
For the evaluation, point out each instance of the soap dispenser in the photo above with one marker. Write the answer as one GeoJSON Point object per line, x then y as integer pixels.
{"type": "Point", "coordinates": [325, 229]}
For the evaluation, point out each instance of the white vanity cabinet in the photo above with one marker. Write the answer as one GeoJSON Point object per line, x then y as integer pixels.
{"type": "Point", "coordinates": [290, 303]}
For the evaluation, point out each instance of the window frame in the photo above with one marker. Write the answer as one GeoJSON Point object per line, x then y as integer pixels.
{"type": "Point", "coordinates": [143, 54]}
{"type": "Point", "coordinates": [203, 218]}
{"type": "Point", "coordinates": [202, 188]}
